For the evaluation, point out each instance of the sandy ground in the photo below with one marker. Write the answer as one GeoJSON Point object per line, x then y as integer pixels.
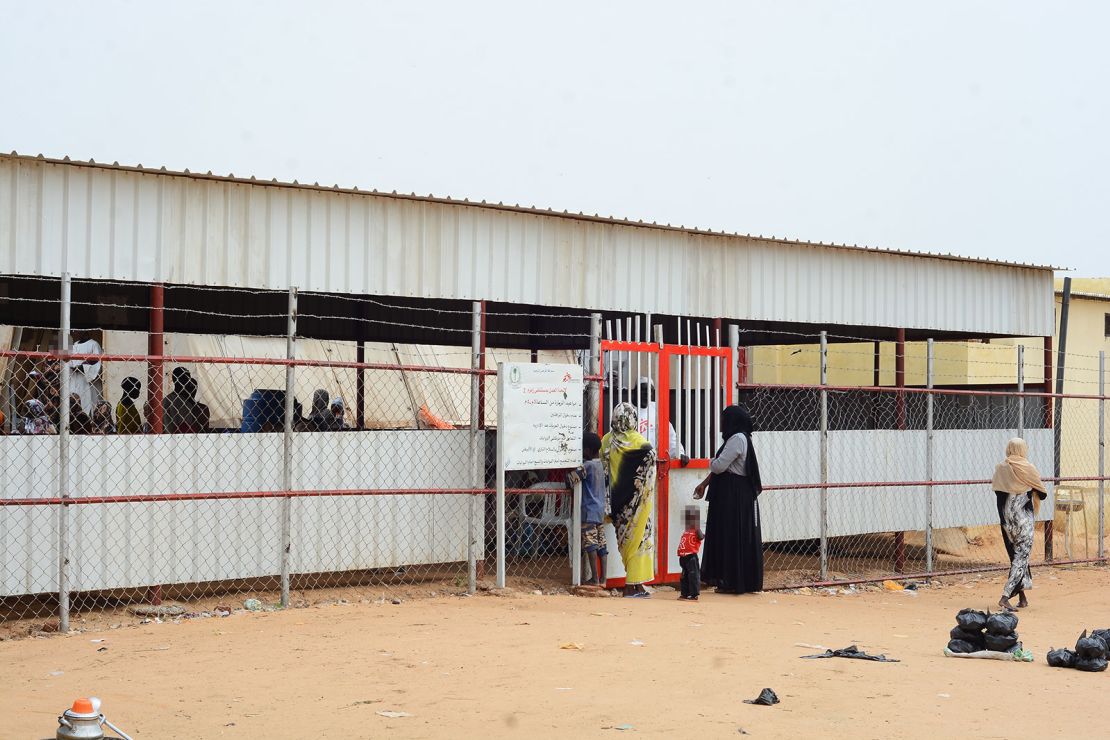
{"type": "Point", "coordinates": [495, 666]}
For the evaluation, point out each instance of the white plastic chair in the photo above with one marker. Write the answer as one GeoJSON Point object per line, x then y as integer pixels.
{"type": "Point", "coordinates": [557, 511]}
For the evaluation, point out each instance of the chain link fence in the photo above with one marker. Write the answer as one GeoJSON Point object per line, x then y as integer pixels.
{"type": "Point", "coordinates": [212, 468]}
{"type": "Point", "coordinates": [867, 483]}
{"type": "Point", "coordinates": [187, 476]}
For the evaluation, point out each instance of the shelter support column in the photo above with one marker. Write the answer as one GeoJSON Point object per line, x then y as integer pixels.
{"type": "Point", "coordinates": [155, 349]}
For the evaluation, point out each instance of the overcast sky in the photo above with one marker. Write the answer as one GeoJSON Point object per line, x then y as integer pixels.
{"type": "Point", "coordinates": [980, 128]}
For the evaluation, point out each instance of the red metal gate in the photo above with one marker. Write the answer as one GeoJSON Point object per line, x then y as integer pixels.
{"type": "Point", "coordinates": [691, 385]}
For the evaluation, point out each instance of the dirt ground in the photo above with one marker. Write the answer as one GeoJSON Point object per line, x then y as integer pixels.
{"type": "Point", "coordinates": [499, 665]}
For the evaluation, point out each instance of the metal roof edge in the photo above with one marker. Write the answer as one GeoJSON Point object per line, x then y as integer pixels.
{"type": "Point", "coordinates": [1086, 296]}
{"type": "Point", "coordinates": [516, 208]}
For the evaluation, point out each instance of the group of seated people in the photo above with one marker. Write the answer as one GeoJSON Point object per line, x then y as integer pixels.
{"type": "Point", "coordinates": [182, 412]}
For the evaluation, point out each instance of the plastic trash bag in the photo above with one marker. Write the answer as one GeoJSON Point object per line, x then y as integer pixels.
{"type": "Point", "coordinates": [1090, 647]}
{"type": "Point", "coordinates": [1003, 623]}
{"type": "Point", "coordinates": [1062, 658]}
{"type": "Point", "coordinates": [1103, 635]}
{"type": "Point", "coordinates": [766, 698]}
{"type": "Point", "coordinates": [1001, 643]}
{"type": "Point", "coordinates": [971, 620]}
{"type": "Point", "coordinates": [1091, 665]}
{"type": "Point", "coordinates": [975, 638]}
{"type": "Point", "coordinates": [853, 652]}
{"type": "Point", "coordinates": [962, 646]}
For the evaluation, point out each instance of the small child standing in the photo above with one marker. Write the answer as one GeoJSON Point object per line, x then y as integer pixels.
{"type": "Point", "coordinates": [688, 548]}
{"type": "Point", "coordinates": [595, 509]}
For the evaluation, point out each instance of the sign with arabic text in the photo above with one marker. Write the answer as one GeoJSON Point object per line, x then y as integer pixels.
{"type": "Point", "coordinates": [541, 416]}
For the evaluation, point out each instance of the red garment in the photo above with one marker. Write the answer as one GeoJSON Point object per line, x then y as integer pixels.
{"type": "Point", "coordinates": [690, 543]}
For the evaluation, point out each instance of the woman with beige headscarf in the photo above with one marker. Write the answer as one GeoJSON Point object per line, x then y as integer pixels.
{"type": "Point", "coordinates": [1015, 482]}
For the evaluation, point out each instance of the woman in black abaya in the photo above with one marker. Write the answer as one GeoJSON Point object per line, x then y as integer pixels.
{"type": "Point", "coordinates": [732, 558]}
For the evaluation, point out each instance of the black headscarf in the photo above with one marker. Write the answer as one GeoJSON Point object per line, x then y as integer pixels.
{"type": "Point", "coordinates": [737, 420]}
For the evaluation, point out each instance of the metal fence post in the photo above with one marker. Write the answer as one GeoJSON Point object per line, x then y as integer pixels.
{"type": "Point", "coordinates": [500, 483]}
{"type": "Point", "coordinates": [824, 456]}
{"type": "Point", "coordinates": [929, 458]}
{"type": "Point", "coordinates": [576, 536]}
{"type": "Point", "coordinates": [1101, 453]}
{"type": "Point", "coordinates": [287, 445]}
{"type": "Point", "coordinates": [63, 462]}
{"type": "Point", "coordinates": [1021, 389]}
{"type": "Point", "coordinates": [476, 466]}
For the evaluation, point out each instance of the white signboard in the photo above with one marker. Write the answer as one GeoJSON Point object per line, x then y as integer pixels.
{"type": "Point", "coordinates": [540, 424]}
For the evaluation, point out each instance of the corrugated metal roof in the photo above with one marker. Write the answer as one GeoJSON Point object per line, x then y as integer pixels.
{"type": "Point", "coordinates": [138, 225]}
{"type": "Point", "coordinates": [430, 198]}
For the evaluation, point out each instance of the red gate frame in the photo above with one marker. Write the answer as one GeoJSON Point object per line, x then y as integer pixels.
{"type": "Point", "coordinates": [664, 354]}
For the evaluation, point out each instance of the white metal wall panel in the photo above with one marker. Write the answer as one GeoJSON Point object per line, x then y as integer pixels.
{"type": "Point", "coordinates": [99, 222]}
{"type": "Point", "coordinates": [134, 545]}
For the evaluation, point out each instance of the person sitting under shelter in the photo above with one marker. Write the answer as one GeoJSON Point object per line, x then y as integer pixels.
{"type": "Point", "coordinates": [129, 418]}
{"type": "Point", "coordinates": [183, 414]}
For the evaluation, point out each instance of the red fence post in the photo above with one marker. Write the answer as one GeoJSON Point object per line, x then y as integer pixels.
{"type": "Point", "coordinates": [155, 346]}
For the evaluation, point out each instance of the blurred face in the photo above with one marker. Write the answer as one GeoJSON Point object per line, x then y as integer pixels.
{"type": "Point", "coordinates": [693, 518]}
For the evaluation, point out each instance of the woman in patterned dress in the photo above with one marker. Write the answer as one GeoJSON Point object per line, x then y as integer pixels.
{"type": "Point", "coordinates": [629, 463]}
{"type": "Point", "coordinates": [1015, 482]}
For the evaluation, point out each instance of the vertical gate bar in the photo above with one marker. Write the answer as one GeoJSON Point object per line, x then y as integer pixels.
{"type": "Point", "coordinates": [287, 444]}
{"type": "Point", "coordinates": [1101, 452]}
{"type": "Point", "coordinates": [697, 402]}
{"type": "Point", "coordinates": [63, 461]}
{"type": "Point", "coordinates": [663, 487]}
{"type": "Point", "coordinates": [929, 458]}
{"type": "Point", "coordinates": [707, 399]}
{"type": "Point", "coordinates": [824, 456]}
{"type": "Point", "coordinates": [686, 401]}
{"type": "Point", "coordinates": [733, 360]}
{"type": "Point", "coordinates": [593, 402]}
{"type": "Point", "coordinates": [475, 460]}
{"type": "Point", "coordinates": [1021, 389]}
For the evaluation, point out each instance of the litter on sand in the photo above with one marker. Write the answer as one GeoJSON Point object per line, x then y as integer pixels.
{"type": "Point", "coordinates": [1018, 656]}
{"type": "Point", "coordinates": [570, 646]}
{"type": "Point", "coordinates": [853, 652]}
{"type": "Point", "coordinates": [390, 714]}
{"type": "Point", "coordinates": [766, 698]}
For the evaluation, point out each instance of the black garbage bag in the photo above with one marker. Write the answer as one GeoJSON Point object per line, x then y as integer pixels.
{"type": "Point", "coordinates": [1062, 658]}
{"type": "Point", "coordinates": [1090, 647]}
{"type": "Point", "coordinates": [1091, 665]}
{"type": "Point", "coordinates": [853, 652]}
{"type": "Point", "coordinates": [1001, 643]}
{"type": "Point", "coordinates": [1002, 623]}
{"type": "Point", "coordinates": [1103, 635]}
{"type": "Point", "coordinates": [766, 698]}
{"type": "Point", "coordinates": [971, 620]}
{"type": "Point", "coordinates": [962, 646]}
{"type": "Point", "coordinates": [975, 638]}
